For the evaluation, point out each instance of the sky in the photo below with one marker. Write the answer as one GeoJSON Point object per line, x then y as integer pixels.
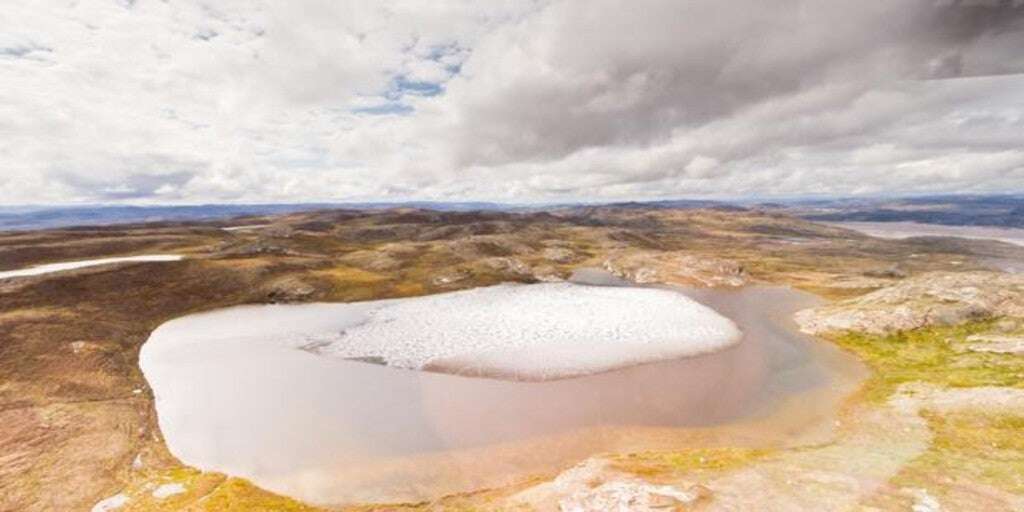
{"type": "Point", "coordinates": [184, 101]}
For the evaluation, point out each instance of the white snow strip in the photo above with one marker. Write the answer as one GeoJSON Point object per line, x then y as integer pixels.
{"type": "Point", "coordinates": [112, 503]}
{"type": "Point", "coordinates": [531, 332]}
{"type": "Point", "coordinates": [245, 227]}
{"type": "Point", "coordinates": [168, 490]}
{"type": "Point", "coordinates": [71, 265]}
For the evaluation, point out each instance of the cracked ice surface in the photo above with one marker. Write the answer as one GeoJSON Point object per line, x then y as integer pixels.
{"type": "Point", "coordinates": [528, 332]}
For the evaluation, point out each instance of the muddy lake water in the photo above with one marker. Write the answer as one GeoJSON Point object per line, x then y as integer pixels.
{"type": "Point", "coordinates": [333, 431]}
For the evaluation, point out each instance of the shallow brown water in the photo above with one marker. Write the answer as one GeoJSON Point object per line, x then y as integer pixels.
{"type": "Point", "coordinates": [334, 431]}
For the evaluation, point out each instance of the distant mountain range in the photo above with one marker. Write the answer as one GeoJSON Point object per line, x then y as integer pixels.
{"type": "Point", "coordinates": [972, 210]}
{"type": "Point", "coordinates": [40, 218]}
{"type": "Point", "coordinates": [28, 217]}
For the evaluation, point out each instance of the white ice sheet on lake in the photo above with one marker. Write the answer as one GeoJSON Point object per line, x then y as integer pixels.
{"type": "Point", "coordinates": [530, 332]}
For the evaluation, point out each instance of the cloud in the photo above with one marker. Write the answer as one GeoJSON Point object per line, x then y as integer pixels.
{"type": "Point", "coordinates": [514, 100]}
{"type": "Point", "coordinates": [597, 74]}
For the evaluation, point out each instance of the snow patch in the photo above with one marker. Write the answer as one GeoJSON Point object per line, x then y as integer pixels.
{"type": "Point", "coordinates": [168, 490]}
{"type": "Point", "coordinates": [923, 502]}
{"type": "Point", "coordinates": [112, 503]}
{"type": "Point", "coordinates": [246, 227]}
{"type": "Point", "coordinates": [71, 265]}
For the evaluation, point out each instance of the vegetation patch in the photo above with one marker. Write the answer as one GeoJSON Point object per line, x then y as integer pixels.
{"type": "Point", "coordinates": [969, 448]}
{"type": "Point", "coordinates": [934, 355]}
{"type": "Point", "coordinates": [694, 462]}
{"type": "Point", "coordinates": [183, 488]}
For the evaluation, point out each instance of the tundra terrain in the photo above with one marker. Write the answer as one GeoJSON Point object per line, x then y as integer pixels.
{"type": "Point", "coordinates": [940, 421]}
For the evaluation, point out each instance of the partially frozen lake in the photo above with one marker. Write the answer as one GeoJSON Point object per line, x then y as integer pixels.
{"type": "Point", "coordinates": [72, 265]}
{"type": "Point", "coordinates": [253, 392]}
{"type": "Point", "coordinates": [915, 229]}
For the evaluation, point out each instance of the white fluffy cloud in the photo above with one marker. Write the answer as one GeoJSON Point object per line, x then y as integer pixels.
{"type": "Point", "coordinates": [521, 100]}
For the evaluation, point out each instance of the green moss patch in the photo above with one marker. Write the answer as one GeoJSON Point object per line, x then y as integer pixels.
{"type": "Point", "coordinates": [934, 355]}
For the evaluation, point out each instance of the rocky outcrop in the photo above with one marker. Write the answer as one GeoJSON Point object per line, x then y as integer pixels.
{"type": "Point", "coordinates": [380, 260]}
{"type": "Point", "coordinates": [560, 255]}
{"type": "Point", "coordinates": [255, 248]}
{"type": "Point", "coordinates": [513, 266]}
{"type": "Point", "coordinates": [289, 289]}
{"type": "Point", "coordinates": [593, 486]}
{"type": "Point", "coordinates": [676, 268]}
{"type": "Point", "coordinates": [935, 298]}
{"type": "Point", "coordinates": [996, 344]}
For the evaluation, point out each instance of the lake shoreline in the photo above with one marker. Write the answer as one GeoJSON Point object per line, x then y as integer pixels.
{"type": "Point", "coordinates": [782, 411]}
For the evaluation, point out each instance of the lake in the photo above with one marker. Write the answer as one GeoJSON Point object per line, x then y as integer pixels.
{"type": "Point", "coordinates": [915, 229]}
{"type": "Point", "coordinates": [332, 431]}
